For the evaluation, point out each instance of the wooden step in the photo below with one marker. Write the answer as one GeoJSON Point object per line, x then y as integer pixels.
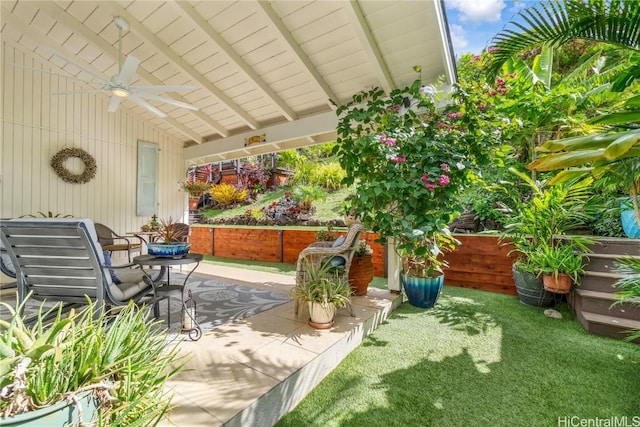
{"type": "Point", "coordinates": [598, 281]}
{"type": "Point", "coordinates": [609, 326]}
{"type": "Point", "coordinates": [601, 303]}
{"type": "Point", "coordinates": [609, 256]}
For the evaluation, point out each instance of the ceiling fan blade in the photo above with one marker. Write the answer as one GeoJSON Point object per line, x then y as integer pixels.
{"type": "Point", "coordinates": [75, 64]}
{"type": "Point", "coordinates": [114, 103]}
{"type": "Point", "coordinates": [128, 70]}
{"type": "Point", "coordinates": [161, 88]}
{"type": "Point", "coordinates": [144, 104]}
{"type": "Point", "coordinates": [166, 100]}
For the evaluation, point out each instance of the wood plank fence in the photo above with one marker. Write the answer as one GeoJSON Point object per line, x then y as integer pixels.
{"type": "Point", "coordinates": [480, 262]}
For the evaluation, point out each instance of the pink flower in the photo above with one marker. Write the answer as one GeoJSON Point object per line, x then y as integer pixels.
{"type": "Point", "coordinates": [441, 125]}
{"type": "Point", "coordinates": [382, 137]}
{"type": "Point", "coordinates": [454, 115]}
{"type": "Point", "coordinates": [445, 167]}
{"type": "Point", "coordinates": [424, 178]}
{"type": "Point", "coordinates": [430, 186]}
{"type": "Point", "coordinates": [399, 159]}
{"type": "Point", "coordinates": [390, 142]}
{"type": "Point", "coordinates": [444, 180]}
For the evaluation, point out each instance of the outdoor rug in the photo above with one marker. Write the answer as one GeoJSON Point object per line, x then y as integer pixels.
{"type": "Point", "coordinates": [216, 302]}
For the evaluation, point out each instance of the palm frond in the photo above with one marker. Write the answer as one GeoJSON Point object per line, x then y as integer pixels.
{"type": "Point", "coordinates": [556, 22]}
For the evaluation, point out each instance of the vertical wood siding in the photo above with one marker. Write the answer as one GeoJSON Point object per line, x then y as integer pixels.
{"type": "Point", "coordinates": [36, 124]}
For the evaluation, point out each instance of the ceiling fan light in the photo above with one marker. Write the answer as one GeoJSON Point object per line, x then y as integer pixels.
{"type": "Point", "coordinates": [121, 92]}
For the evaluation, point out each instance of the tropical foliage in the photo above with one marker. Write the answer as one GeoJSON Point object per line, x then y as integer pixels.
{"type": "Point", "coordinates": [409, 160]}
{"type": "Point", "coordinates": [610, 150]}
{"type": "Point", "coordinates": [124, 360]}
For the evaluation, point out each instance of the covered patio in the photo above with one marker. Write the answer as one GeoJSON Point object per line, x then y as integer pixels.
{"type": "Point", "coordinates": [266, 77]}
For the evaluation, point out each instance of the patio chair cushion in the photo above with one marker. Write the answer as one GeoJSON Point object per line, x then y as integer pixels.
{"type": "Point", "coordinates": [338, 242]}
{"type": "Point", "coordinates": [107, 262]}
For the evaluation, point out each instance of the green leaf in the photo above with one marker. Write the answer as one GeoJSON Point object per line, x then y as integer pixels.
{"type": "Point", "coordinates": [622, 145]}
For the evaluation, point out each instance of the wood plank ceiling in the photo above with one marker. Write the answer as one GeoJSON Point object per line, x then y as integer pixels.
{"type": "Point", "coordinates": [259, 68]}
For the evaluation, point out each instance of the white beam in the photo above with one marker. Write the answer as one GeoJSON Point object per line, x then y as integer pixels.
{"type": "Point", "coordinates": [300, 129]}
{"type": "Point", "coordinates": [180, 63]}
{"type": "Point", "coordinates": [369, 45]}
{"type": "Point", "coordinates": [204, 26]}
{"type": "Point", "coordinates": [304, 60]}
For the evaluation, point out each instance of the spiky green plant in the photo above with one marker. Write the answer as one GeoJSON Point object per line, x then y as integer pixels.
{"type": "Point", "coordinates": [123, 359]}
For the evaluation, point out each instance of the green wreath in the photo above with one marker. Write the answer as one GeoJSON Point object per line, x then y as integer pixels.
{"type": "Point", "coordinates": [59, 159]}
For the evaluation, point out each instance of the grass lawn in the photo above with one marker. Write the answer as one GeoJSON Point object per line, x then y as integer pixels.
{"type": "Point", "coordinates": [476, 359]}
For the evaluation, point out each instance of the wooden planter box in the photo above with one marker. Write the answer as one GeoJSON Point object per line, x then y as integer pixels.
{"type": "Point", "coordinates": [479, 263]}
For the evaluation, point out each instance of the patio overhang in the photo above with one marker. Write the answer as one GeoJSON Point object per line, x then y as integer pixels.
{"type": "Point", "coordinates": [267, 74]}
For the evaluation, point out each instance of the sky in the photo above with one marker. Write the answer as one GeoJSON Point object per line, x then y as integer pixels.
{"type": "Point", "coordinates": [473, 23]}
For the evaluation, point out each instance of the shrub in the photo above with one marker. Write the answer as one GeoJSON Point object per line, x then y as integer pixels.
{"type": "Point", "coordinates": [226, 194]}
{"type": "Point", "coordinates": [327, 175]}
{"type": "Point", "coordinates": [307, 194]}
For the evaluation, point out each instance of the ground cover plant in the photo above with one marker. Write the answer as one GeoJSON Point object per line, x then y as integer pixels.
{"type": "Point", "coordinates": [475, 359]}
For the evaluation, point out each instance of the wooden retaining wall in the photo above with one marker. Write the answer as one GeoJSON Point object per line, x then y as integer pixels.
{"type": "Point", "coordinates": [480, 262]}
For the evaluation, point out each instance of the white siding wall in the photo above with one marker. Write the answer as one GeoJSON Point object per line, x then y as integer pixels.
{"type": "Point", "coordinates": [36, 124]}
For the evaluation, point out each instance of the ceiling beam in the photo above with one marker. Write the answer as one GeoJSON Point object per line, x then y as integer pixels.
{"type": "Point", "coordinates": [148, 36]}
{"type": "Point", "coordinates": [300, 129]}
{"type": "Point", "coordinates": [67, 20]}
{"type": "Point", "coordinates": [360, 26]}
{"type": "Point", "coordinates": [43, 41]}
{"type": "Point", "coordinates": [213, 35]}
{"type": "Point", "coordinates": [302, 57]}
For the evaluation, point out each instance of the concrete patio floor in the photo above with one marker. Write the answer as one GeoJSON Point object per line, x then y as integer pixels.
{"type": "Point", "coordinates": [252, 372]}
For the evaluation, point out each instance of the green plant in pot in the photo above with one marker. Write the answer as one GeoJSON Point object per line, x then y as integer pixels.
{"type": "Point", "coordinates": [560, 265]}
{"type": "Point", "coordinates": [171, 239]}
{"type": "Point", "coordinates": [195, 188]}
{"type": "Point", "coordinates": [324, 290]}
{"type": "Point", "coordinates": [534, 224]}
{"type": "Point", "coordinates": [409, 160]}
{"type": "Point", "coordinates": [106, 369]}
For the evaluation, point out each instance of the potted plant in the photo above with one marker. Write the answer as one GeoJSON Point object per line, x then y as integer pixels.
{"type": "Point", "coordinates": [409, 159]}
{"type": "Point", "coordinates": [361, 269]}
{"type": "Point", "coordinates": [85, 368]}
{"type": "Point", "coordinates": [534, 223]}
{"type": "Point", "coordinates": [195, 189]}
{"type": "Point", "coordinates": [560, 265]}
{"type": "Point", "coordinates": [170, 239]}
{"type": "Point", "coordinates": [324, 290]}
{"type": "Point", "coordinates": [422, 262]}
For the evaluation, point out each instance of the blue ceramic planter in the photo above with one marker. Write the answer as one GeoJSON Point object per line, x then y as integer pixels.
{"type": "Point", "coordinates": [422, 292]}
{"type": "Point", "coordinates": [628, 219]}
{"type": "Point", "coordinates": [168, 249]}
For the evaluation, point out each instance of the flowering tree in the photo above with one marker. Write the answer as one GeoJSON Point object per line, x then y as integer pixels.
{"type": "Point", "coordinates": [409, 160]}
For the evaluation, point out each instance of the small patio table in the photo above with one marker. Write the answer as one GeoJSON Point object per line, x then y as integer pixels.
{"type": "Point", "coordinates": [190, 324]}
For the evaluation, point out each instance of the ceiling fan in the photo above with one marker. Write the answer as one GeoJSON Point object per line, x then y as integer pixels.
{"type": "Point", "coordinates": [120, 85]}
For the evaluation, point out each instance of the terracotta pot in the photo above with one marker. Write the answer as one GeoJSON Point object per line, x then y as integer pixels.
{"type": "Point", "coordinates": [558, 285]}
{"type": "Point", "coordinates": [193, 204]}
{"type": "Point", "coordinates": [360, 274]}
